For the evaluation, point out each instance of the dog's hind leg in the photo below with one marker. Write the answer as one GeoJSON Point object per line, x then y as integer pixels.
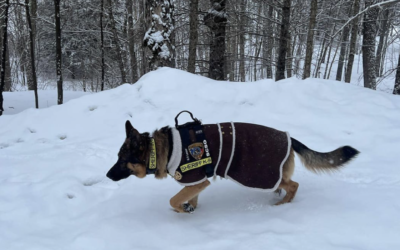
{"type": "Point", "coordinates": [188, 193]}
{"type": "Point", "coordinates": [287, 171]}
{"type": "Point", "coordinates": [291, 188]}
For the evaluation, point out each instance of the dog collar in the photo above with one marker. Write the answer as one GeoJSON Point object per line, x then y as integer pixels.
{"type": "Point", "coordinates": [151, 168]}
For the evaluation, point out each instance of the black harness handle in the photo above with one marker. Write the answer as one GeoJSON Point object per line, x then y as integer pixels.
{"type": "Point", "coordinates": [197, 121]}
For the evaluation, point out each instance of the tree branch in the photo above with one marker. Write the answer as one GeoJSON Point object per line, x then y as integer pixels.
{"type": "Point", "coordinates": [365, 10]}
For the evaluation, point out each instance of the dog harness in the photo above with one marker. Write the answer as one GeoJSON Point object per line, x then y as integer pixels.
{"type": "Point", "coordinates": [249, 154]}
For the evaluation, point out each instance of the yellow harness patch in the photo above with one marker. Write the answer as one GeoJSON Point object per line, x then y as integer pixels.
{"type": "Point", "coordinates": [153, 156]}
{"type": "Point", "coordinates": [197, 164]}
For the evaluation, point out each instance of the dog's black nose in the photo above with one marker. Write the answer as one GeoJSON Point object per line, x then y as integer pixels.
{"type": "Point", "coordinates": [117, 172]}
{"type": "Point", "coordinates": [110, 175]}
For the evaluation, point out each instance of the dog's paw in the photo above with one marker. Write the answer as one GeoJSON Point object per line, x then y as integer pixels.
{"type": "Point", "coordinates": [278, 191]}
{"type": "Point", "coordinates": [188, 208]}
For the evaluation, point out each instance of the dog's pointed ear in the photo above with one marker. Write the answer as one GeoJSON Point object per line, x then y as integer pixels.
{"type": "Point", "coordinates": [128, 128]}
{"type": "Point", "coordinates": [130, 131]}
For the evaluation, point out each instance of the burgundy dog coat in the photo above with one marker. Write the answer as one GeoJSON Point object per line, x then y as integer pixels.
{"type": "Point", "coordinates": [249, 154]}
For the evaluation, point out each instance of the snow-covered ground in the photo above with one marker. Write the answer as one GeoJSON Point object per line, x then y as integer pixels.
{"type": "Point", "coordinates": [15, 102]}
{"type": "Point", "coordinates": [53, 161]}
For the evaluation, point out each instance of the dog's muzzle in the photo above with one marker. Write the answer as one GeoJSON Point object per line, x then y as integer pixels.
{"type": "Point", "coordinates": [118, 171]}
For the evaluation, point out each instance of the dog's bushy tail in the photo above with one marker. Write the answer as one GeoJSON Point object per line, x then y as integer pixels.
{"type": "Point", "coordinates": [324, 162]}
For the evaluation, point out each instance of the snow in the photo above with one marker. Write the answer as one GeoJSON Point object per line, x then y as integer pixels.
{"type": "Point", "coordinates": [156, 41]}
{"type": "Point", "coordinates": [53, 161]}
{"type": "Point", "coordinates": [155, 37]}
{"type": "Point", "coordinates": [15, 102]}
{"type": "Point", "coordinates": [164, 53]}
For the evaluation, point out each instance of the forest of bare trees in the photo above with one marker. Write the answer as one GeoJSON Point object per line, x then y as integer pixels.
{"type": "Point", "coordinates": [100, 44]}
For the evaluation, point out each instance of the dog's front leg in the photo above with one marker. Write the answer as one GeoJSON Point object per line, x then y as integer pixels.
{"type": "Point", "coordinates": [194, 201]}
{"type": "Point", "coordinates": [189, 193]}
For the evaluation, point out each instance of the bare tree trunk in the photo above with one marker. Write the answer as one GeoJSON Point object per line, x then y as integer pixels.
{"type": "Point", "coordinates": [58, 53]}
{"type": "Point", "coordinates": [270, 42]}
{"type": "Point", "coordinates": [159, 36]}
{"type": "Point", "coordinates": [298, 55]}
{"type": "Point", "coordinates": [131, 43]}
{"type": "Point", "coordinates": [343, 47]}
{"type": "Point", "coordinates": [382, 35]}
{"type": "Point", "coordinates": [353, 41]}
{"type": "Point", "coordinates": [368, 46]}
{"type": "Point", "coordinates": [328, 51]}
{"type": "Point", "coordinates": [216, 20]}
{"type": "Point", "coordinates": [103, 68]}
{"type": "Point", "coordinates": [3, 55]}
{"type": "Point", "coordinates": [120, 58]}
{"type": "Point", "coordinates": [328, 59]}
{"type": "Point", "coordinates": [32, 52]}
{"type": "Point", "coordinates": [283, 41]}
{"type": "Point", "coordinates": [258, 48]}
{"type": "Point", "coordinates": [32, 83]}
{"type": "Point", "coordinates": [7, 79]}
{"type": "Point", "coordinates": [256, 56]}
{"type": "Point", "coordinates": [229, 53]}
{"type": "Point", "coordinates": [33, 9]}
{"type": "Point", "coordinates": [289, 59]}
{"type": "Point", "coordinates": [142, 31]}
{"type": "Point", "coordinates": [333, 60]}
{"type": "Point", "coordinates": [242, 41]}
{"type": "Point", "coordinates": [310, 39]}
{"type": "Point", "coordinates": [321, 59]}
{"type": "Point", "coordinates": [396, 89]}
{"type": "Point", "coordinates": [342, 53]}
{"type": "Point", "coordinates": [233, 52]}
{"type": "Point", "coordinates": [193, 36]}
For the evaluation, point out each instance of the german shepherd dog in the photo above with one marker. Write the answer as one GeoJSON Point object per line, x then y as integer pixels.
{"type": "Point", "coordinates": [134, 157]}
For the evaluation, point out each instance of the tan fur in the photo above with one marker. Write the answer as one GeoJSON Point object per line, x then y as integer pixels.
{"type": "Point", "coordinates": [291, 188]}
{"type": "Point", "coordinates": [286, 183]}
{"type": "Point", "coordinates": [288, 167]}
{"type": "Point", "coordinates": [138, 170]}
{"type": "Point", "coordinates": [162, 148]}
{"type": "Point", "coordinates": [188, 193]}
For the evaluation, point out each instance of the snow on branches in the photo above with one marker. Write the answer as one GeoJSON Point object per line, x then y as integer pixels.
{"type": "Point", "coordinates": [158, 35]}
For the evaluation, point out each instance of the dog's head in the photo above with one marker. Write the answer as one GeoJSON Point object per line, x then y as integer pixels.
{"type": "Point", "coordinates": [131, 156]}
